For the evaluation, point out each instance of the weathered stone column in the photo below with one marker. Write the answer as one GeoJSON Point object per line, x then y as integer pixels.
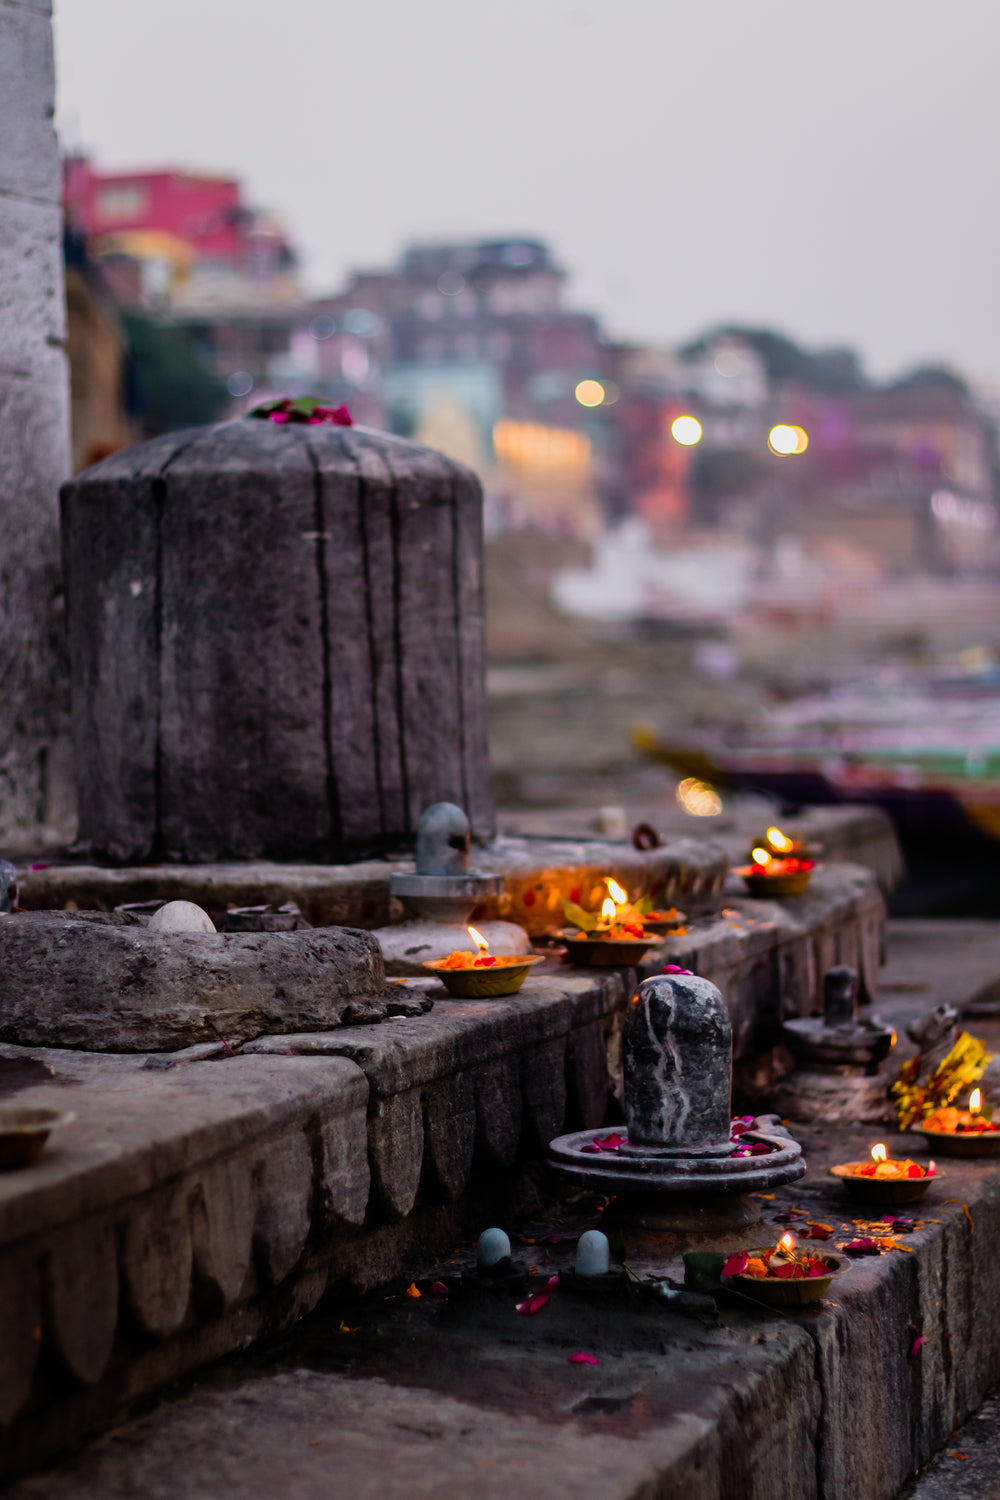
{"type": "Point", "coordinates": [35, 796]}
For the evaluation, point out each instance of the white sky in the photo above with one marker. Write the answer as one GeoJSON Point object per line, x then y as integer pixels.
{"type": "Point", "coordinates": [826, 169]}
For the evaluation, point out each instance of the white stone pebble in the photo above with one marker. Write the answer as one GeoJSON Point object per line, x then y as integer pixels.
{"type": "Point", "coordinates": [180, 916]}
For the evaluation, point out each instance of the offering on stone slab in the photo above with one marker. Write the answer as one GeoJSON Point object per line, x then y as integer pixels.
{"type": "Point", "coordinates": [918, 1095]}
{"type": "Point", "coordinates": [884, 1167]}
{"type": "Point", "coordinates": [482, 958]}
{"type": "Point", "coordinates": [784, 1261]}
{"type": "Point", "coordinates": [951, 1121]}
{"type": "Point", "coordinates": [617, 919]}
{"type": "Point", "coordinates": [778, 865]}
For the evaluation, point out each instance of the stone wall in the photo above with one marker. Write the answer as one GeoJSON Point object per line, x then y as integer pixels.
{"type": "Point", "coordinates": [35, 798]}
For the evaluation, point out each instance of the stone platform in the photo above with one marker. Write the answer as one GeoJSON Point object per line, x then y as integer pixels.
{"type": "Point", "coordinates": [202, 1200]}
{"type": "Point", "coordinates": [401, 1398]}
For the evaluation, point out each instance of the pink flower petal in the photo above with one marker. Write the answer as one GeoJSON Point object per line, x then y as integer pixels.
{"type": "Point", "coordinates": [674, 969]}
{"type": "Point", "coordinates": [735, 1265]}
{"type": "Point", "coordinates": [582, 1359]}
{"type": "Point", "coordinates": [438, 1289]}
{"type": "Point", "coordinates": [533, 1304]}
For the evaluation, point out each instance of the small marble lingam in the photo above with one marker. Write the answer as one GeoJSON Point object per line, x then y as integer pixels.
{"type": "Point", "coordinates": [441, 895]}
{"type": "Point", "coordinates": [838, 1057]}
{"type": "Point", "coordinates": [680, 1174]}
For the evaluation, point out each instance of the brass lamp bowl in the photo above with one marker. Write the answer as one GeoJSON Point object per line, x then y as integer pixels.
{"type": "Point", "coordinates": [779, 1291]}
{"type": "Point", "coordinates": [766, 887]}
{"type": "Point", "coordinates": [883, 1189]}
{"type": "Point", "coordinates": [604, 953]}
{"type": "Point", "coordinates": [484, 984]}
{"type": "Point", "coordinates": [24, 1132]}
{"type": "Point", "coordinates": [955, 1143]}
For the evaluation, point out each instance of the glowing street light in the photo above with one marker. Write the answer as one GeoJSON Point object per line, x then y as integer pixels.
{"type": "Point", "coordinates": [590, 393]}
{"type": "Point", "coordinates": [686, 431]}
{"type": "Point", "coordinates": [787, 441]}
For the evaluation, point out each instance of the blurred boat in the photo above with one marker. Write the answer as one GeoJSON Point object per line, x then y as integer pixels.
{"type": "Point", "coordinates": [926, 747]}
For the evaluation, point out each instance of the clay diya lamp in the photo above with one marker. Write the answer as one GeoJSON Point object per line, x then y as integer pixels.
{"type": "Point", "coordinates": [24, 1132]}
{"type": "Point", "coordinates": [616, 936]}
{"type": "Point", "coordinates": [482, 975]}
{"type": "Point", "coordinates": [962, 1132]}
{"type": "Point", "coordinates": [884, 1180]}
{"type": "Point", "coordinates": [778, 866]}
{"type": "Point", "coordinates": [783, 1276]}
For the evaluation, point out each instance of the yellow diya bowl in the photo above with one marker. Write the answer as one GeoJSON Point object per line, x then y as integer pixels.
{"type": "Point", "coordinates": [504, 976]}
{"type": "Point", "coordinates": [895, 1185]}
{"type": "Point", "coordinates": [23, 1134]}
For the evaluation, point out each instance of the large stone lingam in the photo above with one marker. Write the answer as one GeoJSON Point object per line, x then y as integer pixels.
{"type": "Point", "coordinates": [276, 639]}
{"type": "Point", "coordinates": [679, 1174]}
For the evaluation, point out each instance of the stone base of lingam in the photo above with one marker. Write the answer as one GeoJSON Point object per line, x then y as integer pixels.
{"type": "Point", "coordinates": [814, 1098]}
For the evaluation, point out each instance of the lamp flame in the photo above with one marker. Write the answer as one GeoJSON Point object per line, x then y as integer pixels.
{"type": "Point", "coordinates": [760, 857]}
{"type": "Point", "coordinates": [608, 910]}
{"type": "Point", "coordinates": [879, 1153]}
{"type": "Point", "coordinates": [479, 940]}
{"type": "Point", "coordinates": [975, 1101]}
{"type": "Point", "coordinates": [619, 895]}
{"type": "Point", "coordinates": [777, 839]}
{"type": "Point", "coordinates": [787, 1244]}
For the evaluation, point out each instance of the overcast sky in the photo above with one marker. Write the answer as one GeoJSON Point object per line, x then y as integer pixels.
{"type": "Point", "coordinates": [824, 168]}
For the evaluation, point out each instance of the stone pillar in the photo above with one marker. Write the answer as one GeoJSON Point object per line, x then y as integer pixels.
{"type": "Point", "coordinates": [35, 797]}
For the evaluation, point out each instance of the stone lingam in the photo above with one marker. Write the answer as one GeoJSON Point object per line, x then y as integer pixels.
{"type": "Point", "coordinates": [441, 895]}
{"type": "Point", "coordinates": [679, 1176]}
{"type": "Point", "coordinates": [838, 1057]}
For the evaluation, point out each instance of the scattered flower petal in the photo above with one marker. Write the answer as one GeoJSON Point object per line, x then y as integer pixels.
{"type": "Point", "coordinates": [582, 1359]}
{"type": "Point", "coordinates": [735, 1265]}
{"type": "Point", "coordinates": [413, 1290]}
{"type": "Point", "coordinates": [863, 1246]}
{"type": "Point", "coordinates": [532, 1305]}
{"type": "Point", "coordinates": [438, 1290]}
{"type": "Point", "coordinates": [674, 969]}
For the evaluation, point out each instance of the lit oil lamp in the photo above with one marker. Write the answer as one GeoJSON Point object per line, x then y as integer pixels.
{"type": "Point", "coordinates": [963, 1132]}
{"type": "Point", "coordinates": [778, 866]}
{"type": "Point", "coordinates": [474, 974]}
{"type": "Point", "coordinates": [616, 935]}
{"type": "Point", "coordinates": [784, 1275]}
{"type": "Point", "coordinates": [883, 1179]}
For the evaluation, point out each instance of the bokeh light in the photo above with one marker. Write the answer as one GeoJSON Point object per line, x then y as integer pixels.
{"type": "Point", "coordinates": [589, 393]}
{"type": "Point", "coordinates": [686, 431]}
{"type": "Point", "coordinates": [240, 383]}
{"type": "Point", "coordinates": [699, 798]}
{"type": "Point", "coordinates": [787, 440]}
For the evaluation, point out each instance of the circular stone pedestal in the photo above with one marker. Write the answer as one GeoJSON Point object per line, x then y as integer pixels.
{"type": "Point", "coordinates": [653, 1226]}
{"type": "Point", "coordinates": [408, 946]}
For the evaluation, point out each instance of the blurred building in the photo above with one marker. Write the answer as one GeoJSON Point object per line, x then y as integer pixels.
{"type": "Point", "coordinates": [187, 248]}
{"type": "Point", "coordinates": [472, 344]}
